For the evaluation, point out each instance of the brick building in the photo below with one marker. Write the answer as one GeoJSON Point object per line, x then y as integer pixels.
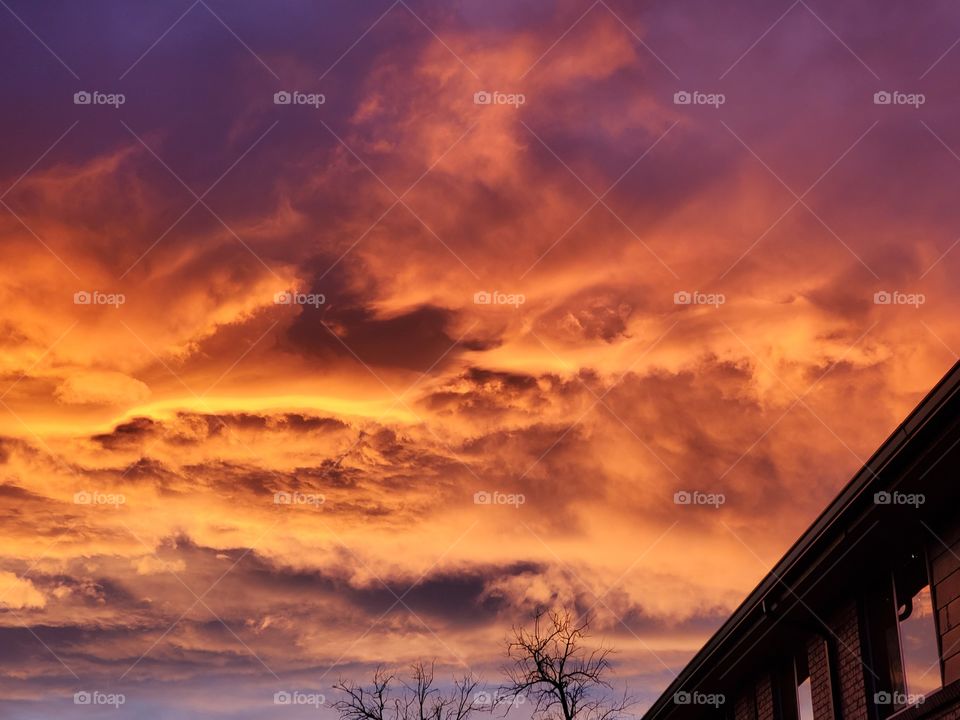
{"type": "Point", "coordinates": [860, 620]}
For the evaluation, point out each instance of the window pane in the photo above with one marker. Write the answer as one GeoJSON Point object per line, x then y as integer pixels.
{"type": "Point", "coordinates": [785, 689]}
{"type": "Point", "coordinates": [883, 642]}
{"type": "Point", "coordinates": [805, 700]}
{"type": "Point", "coordinates": [918, 637]}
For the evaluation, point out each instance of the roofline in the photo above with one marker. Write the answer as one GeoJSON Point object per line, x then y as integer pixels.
{"type": "Point", "coordinates": [868, 475]}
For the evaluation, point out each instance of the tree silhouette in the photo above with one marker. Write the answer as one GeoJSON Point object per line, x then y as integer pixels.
{"type": "Point", "coordinates": [554, 670]}
{"type": "Point", "coordinates": [390, 698]}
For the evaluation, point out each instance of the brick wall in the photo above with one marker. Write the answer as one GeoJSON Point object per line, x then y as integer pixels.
{"type": "Point", "coordinates": [946, 597]}
{"type": "Point", "coordinates": [837, 681]}
{"type": "Point", "coordinates": [950, 713]}
{"type": "Point", "coordinates": [821, 684]}
{"type": "Point", "coordinates": [765, 699]}
{"type": "Point", "coordinates": [745, 707]}
{"type": "Point", "coordinates": [852, 690]}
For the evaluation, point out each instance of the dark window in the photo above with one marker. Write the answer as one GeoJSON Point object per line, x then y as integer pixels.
{"type": "Point", "coordinates": [785, 692]}
{"type": "Point", "coordinates": [803, 689]}
{"type": "Point", "coordinates": [793, 699]}
{"type": "Point", "coordinates": [901, 658]}
{"type": "Point", "coordinates": [918, 630]}
{"type": "Point", "coordinates": [883, 665]}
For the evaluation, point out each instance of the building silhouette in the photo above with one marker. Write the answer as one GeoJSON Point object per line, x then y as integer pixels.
{"type": "Point", "coordinates": [860, 620]}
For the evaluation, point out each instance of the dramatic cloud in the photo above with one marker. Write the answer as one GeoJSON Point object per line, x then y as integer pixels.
{"type": "Point", "coordinates": [18, 594]}
{"type": "Point", "coordinates": [512, 304]}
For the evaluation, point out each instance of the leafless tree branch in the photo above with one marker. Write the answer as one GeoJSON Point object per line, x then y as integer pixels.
{"type": "Point", "coordinates": [390, 698]}
{"type": "Point", "coordinates": [552, 669]}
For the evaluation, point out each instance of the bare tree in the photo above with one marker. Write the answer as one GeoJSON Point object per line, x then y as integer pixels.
{"type": "Point", "coordinates": [391, 698]}
{"type": "Point", "coordinates": [554, 671]}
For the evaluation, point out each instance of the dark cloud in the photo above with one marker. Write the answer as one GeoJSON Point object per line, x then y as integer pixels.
{"type": "Point", "coordinates": [412, 340]}
{"type": "Point", "coordinates": [127, 434]}
{"type": "Point", "coordinates": [568, 399]}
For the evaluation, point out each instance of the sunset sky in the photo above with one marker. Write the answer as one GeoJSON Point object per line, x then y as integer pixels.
{"type": "Point", "coordinates": [210, 297]}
